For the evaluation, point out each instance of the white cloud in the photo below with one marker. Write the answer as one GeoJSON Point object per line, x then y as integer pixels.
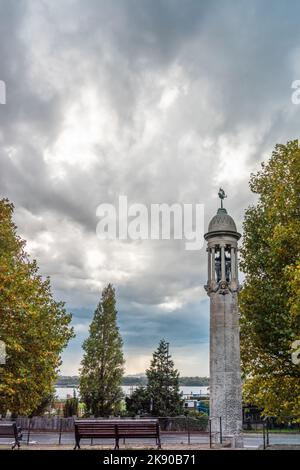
{"type": "Point", "coordinates": [161, 102]}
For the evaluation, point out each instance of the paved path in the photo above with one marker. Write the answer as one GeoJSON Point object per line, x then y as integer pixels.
{"type": "Point", "coordinates": [251, 441]}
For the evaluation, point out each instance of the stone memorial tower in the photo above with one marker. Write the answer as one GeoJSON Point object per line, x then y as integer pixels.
{"type": "Point", "coordinates": [222, 288]}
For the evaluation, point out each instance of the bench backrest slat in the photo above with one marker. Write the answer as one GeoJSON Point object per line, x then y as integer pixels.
{"type": "Point", "coordinates": [111, 427]}
{"type": "Point", "coordinates": [8, 429]}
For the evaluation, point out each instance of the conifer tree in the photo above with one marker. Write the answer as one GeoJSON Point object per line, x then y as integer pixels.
{"type": "Point", "coordinates": [102, 365]}
{"type": "Point", "coordinates": [71, 407]}
{"type": "Point", "coordinates": [163, 384]}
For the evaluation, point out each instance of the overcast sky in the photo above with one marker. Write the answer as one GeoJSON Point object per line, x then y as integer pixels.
{"type": "Point", "coordinates": [159, 100]}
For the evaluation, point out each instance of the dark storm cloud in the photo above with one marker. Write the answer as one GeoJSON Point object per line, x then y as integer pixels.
{"type": "Point", "coordinates": [153, 325]}
{"type": "Point", "coordinates": [142, 337]}
{"type": "Point", "coordinates": [161, 101]}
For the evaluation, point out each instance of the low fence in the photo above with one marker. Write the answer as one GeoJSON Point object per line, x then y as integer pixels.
{"type": "Point", "coordinates": [282, 433]}
{"type": "Point", "coordinates": [56, 423]}
{"type": "Point", "coordinates": [186, 429]}
{"type": "Point", "coordinates": [274, 433]}
{"type": "Point", "coordinates": [182, 424]}
{"type": "Point", "coordinates": [42, 423]}
{"type": "Point", "coordinates": [190, 429]}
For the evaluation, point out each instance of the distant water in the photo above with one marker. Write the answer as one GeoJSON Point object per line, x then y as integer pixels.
{"type": "Point", "coordinates": [63, 392]}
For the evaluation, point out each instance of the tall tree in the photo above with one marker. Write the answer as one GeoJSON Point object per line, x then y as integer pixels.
{"type": "Point", "coordinates": [34, 327]}
{"type": "Point", "coordinates": [71, 406]}
{"type": "Point", "coordinates": [139, 401]}
{"type": "Point", "coordinates": [163, 383]}
{"type": "Point", "coordinates": [270, 299]}
{"type": "Point", "coordinates": [102, 364]}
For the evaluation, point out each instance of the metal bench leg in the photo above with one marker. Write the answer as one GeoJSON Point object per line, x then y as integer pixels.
{"type": "Point", "coordinates": [15, 444]}
{"type": "Point", "coordinates": [116, 437]}
{"type": "Point", "coordinates": [117, 444]}
{"type": "Point", "coordinates": [77, 444]}
{"type": "Point", "coordinates": [158, 436]}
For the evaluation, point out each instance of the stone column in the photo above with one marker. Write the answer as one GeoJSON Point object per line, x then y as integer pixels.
{"type": "Point", "coordinates": [209, 264]}
{"type": "Point", "coordinates": [213, 256]}
{"type": "Point", "coordinates": [236, 264]}
{"type": "Point", "coordinates": [232, 264]}
{"type": "Point", "coordinates": [223, 277]}
{"type": "Point", "coordinates": [225, 375]}
{"type": "Point", "coordinates": [224, 357]}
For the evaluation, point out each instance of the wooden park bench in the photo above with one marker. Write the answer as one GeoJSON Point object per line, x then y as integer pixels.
{"type": "Point", "coordinates": [139, 428]}
{"type": "Point", "coordinates": [92, 428]}
{"type": "Point", "coordinates": [11, 430]}
{"type": "Point", "coordinates": [116, 429]}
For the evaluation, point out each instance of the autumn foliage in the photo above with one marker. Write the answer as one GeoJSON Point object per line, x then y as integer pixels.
{"type": "Point", "coordinates": [34, 327]}
{"type": "Point", "coordinates": [270, 299]}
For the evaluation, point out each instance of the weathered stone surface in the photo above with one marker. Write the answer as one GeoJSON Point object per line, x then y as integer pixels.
{"type": "Point", "coordinates": [225, 372]}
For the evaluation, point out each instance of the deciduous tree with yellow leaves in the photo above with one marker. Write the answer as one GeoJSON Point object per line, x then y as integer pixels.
{"type": "Point", "coordinates": [34, 327]}
{"type": "Point", "coordinates": [270, 299]}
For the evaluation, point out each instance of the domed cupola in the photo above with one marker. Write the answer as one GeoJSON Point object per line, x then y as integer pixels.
{"type": "Point", "coordinates": [222, 223]}
{"type": "Point", "coordinates": [222, 237]}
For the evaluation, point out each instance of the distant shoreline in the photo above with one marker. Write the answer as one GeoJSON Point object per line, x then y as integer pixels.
{"type": "Point", "coordinates": [188, 392]}
{"type": "Point", "coordinates": [73, 381]}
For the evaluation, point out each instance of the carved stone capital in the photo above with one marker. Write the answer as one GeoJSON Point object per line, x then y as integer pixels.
{"type": "Point", "coordinates": [222, 287]}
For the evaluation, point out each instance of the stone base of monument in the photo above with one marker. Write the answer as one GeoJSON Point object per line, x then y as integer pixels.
{"type": "Point", "coordinates": [234, 441]}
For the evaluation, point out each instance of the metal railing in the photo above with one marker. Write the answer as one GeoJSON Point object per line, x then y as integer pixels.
{"type": "Point", "coordinates": [266, 439]}
{"type": "Point", "coordinates": [272, 427]}
{"type": "Point", "coordinates": [269, 427]}
{"type": "Point", "coordinates": [215, 433]}
{"type": "Point", "coordinates": [187, 427]}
